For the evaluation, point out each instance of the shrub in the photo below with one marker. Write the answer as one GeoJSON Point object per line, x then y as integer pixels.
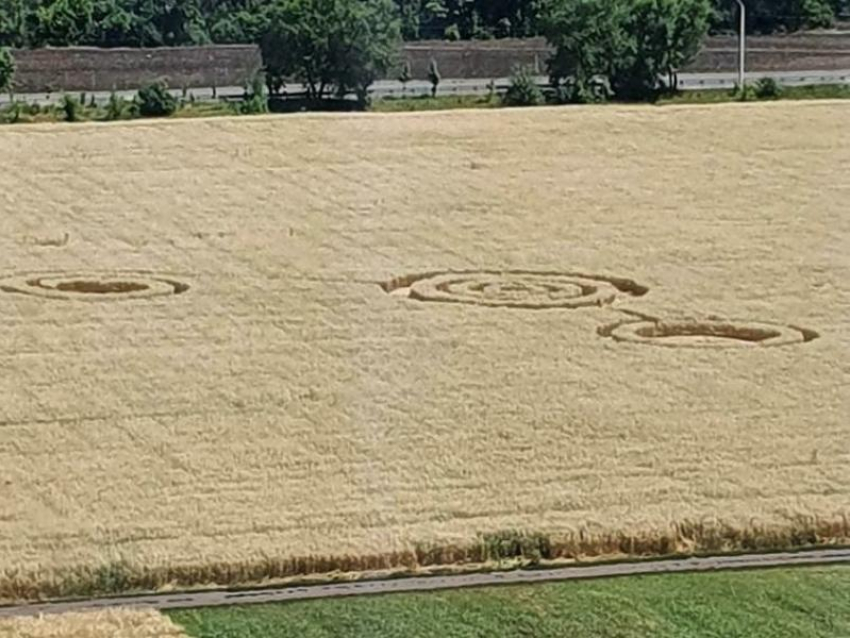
{"type": "Point", "coordinates": [115, 108]}
{"type": "Point", "coordinates": [12, 113]}
{"type": "Point", "coordinates": [70, 108]}
{"type": "Point", "coordinates": [255, 101]}
{"type": "Point", "coordinates": [523, 90]}
{"type": "Point", "coordinates": [154, 100]}
{"type": "Point", "coordinates": [747, 94]}
{"type": "Point", "coordinates": [767, 89]}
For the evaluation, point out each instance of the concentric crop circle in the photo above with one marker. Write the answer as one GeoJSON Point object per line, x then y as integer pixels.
{"type": "Point", "coordinates": [93, 286]}
{"type": "Point", "coordinates": [707, 334]}
{"type": "Point", "coordinates": [513, 289]}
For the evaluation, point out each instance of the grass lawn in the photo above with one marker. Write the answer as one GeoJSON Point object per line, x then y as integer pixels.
{"type": "Point", "coordinates": [798, 603]}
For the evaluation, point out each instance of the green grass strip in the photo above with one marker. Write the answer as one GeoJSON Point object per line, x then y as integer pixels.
{"type": "Point", "coordinates": [790, 603]}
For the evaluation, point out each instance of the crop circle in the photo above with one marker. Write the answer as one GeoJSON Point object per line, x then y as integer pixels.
{"type": "Point", "coordinates": [707, 334]}
{"type": "Point", "coordinates": [513, 289]}
{"type": "Point", "coordinates": [93, 286]}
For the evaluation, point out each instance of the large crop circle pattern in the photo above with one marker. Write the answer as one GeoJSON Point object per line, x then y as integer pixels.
{"type": "Point", "coordinates": [707, 334]}
{"type": "Point", "coordinates": [93, 286]}
{"type": "Point", "coordinates": [513, 289]}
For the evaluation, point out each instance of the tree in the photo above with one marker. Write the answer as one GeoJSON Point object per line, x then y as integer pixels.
{"type": "Point", "coordinates": [64, 22]}
{"type": "Point", "coordinates": [12, 31]}
{"type": "Point", "coordinates": [433, 76]}
{"type": "Point", "coordinates": [661, 36]}
{"type": "Point", "coordinates": [588, 37]}
{"type": "Point", "coordinates": [404, 76]}
{"type": "Point", "coordinates": [622, 46]}
{"type": "Point", "coordinates": [688, 26]}
{"type": "Point", "coordinates": [331, 45]}
{"type": "Point", "coordinates": [770, 16]}
{"type": "Point", "coordinates": [7, 69]}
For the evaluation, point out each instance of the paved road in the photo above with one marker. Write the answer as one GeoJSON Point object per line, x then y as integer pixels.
{"type": "Point", "coordinates": [431, 583]}
{"type": "Point", "coordinates": [389, 88]}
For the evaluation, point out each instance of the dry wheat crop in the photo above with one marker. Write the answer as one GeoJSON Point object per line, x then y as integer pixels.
{"type": "Point", "coordinates": [119, 623]}
{"type": "Point", "coordinates": [242, 349]}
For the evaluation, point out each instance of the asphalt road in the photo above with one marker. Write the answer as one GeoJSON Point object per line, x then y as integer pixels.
{"type": "Point", "coordinates": [391, 88]}
{"type": "Point", "coordinates": [432, 583]}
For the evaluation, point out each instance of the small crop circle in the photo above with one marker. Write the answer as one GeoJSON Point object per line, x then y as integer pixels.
{"type": "Point", "coordinates": [513, 289]}
{"type": "Point", "coordinates": [707, 334]}
{"type": "Point", "coordinates": [93, 286]}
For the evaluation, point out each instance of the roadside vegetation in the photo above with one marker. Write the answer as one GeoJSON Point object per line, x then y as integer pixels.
{"type": "Point", "coordinates": [76, 108]}
{"type": "Point", "coordinates": [604, 50]}
{"type": "Point", "coordinates": [708, 96]}
{"type": "Point", "coordinates": [799, 603]}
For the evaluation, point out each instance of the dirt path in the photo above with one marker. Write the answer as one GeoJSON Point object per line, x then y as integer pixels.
{"type": "Point", "coordinates": [432, 583]}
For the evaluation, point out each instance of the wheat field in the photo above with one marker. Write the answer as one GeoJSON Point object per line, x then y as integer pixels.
{"type": "Point", "coordinates": [245, 349]}
{"type": "Point", "coordinates": [117, 623]}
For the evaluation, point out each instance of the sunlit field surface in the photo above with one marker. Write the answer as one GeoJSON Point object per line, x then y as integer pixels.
{"type": "Point", "coordinates": [237, 350]}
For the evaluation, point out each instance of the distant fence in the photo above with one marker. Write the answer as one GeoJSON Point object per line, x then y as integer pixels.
{"type": "Point", "coordinates": [89, 69]}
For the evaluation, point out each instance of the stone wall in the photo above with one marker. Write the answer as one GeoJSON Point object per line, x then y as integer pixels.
{"type": "Point", "coordinates": [89, 69]}
{"type": "Point", "coordinates": [497, 58]}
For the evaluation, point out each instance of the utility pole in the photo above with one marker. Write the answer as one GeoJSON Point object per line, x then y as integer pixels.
{"type": "Point", "coordinates": [742, 45]}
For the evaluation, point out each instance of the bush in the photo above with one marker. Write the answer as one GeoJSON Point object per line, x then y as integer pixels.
{"type": "Point", "coordinates": [768, 89]}
{"type": "Point", "coordinates": [154, 100]}
{"type": "Point", "coordinates": [747, 94]}
{"type": "Point", "coordinates": [594, 91]}
{"type": "Point", "coordinates": [12, 113]}
{"type": "Point", "coordinates": [255, 101]}
{"type": "Point", "coordinates": [523, 90]}
{"type": "Point", "coordinates": [115, 108]}
{"type": "Point", "coordinates": [70, 108]}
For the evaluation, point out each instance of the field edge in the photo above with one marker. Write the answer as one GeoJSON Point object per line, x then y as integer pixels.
{"type": "Point", "coordinates": [489, 552]}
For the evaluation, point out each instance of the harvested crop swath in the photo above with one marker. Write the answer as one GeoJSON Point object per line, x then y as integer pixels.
{"type": "Point", "coordinates": [244, 350]}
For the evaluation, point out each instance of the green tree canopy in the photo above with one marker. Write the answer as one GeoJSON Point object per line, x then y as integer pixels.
{"type": "Point", "coordinates": [769, 16]}
{"type": "Point", "coordinates": [111, 23]}
{"type": "Point", "coordinates": [331, 46]}
{"type": "Point", "coordinates": [625, 46]}
{"type": "Point", "coordinates": [588, 37]}
{"type": "Point", "coordinates": [660, 37]}
{"type": "Point", "coordinates": [7, 69]}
